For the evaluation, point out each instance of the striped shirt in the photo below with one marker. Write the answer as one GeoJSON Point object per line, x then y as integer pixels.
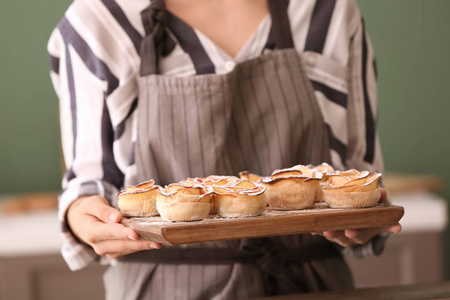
{"type": "Point", "coordinates": [94, 58]}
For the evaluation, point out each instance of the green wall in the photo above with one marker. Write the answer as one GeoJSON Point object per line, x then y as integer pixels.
{"type": "Point", "coordinates": [412, 42]}
{"type": "Point", "coordinates": [411, 39]}
{"type": "Point", "coordinates": [29, 136]}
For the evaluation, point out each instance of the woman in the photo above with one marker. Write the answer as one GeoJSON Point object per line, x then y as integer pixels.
{"type": "Point", "coordinates": [178, 89]}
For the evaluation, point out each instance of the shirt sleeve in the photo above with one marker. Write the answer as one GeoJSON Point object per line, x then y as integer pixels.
{"type": "Point", "coordinates": [363, 151]}
{"type": "Point", "coordinates": [90, 83]}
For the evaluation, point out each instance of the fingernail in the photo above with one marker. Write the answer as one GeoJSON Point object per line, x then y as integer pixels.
{"type": "Point", "coordinates": [113, 216]}
{"type": "Point", "coordinates": [153, 246]}
{"type": "Point", "coordinates": [350, 234]}
{"type": "Point", "coordinates": [328, 234]}
{"type": "Point", "coordinates": [132, 238]}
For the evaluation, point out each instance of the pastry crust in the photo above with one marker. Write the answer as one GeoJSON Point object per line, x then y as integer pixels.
{"type": "Point", "coordinates": [337, 199]}
{"type": "Point", "coordinates": [291, 193]}
{"type": "Point", "coordinates": [250, 176]}
{"type": "Point", "coordinates": [180, 204]}
{"type": "Point", "coordinates": [294, 188]}
{"type": "Point", "coordinates": [291, 189]}
{"type": "Point", "coordinates": [352, 189]}
{"type": "Point", "coordinates": [243, 199]}
{"type": "Point", "coordinates": [139, 200]}
{"type": "Point", "coordinates": [209, 182]}
{"type": "Point", "coordinates": [183, 211]}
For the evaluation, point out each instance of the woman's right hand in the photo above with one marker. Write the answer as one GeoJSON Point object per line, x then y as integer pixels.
{"type": "Point", "coordinates": [97, 224]}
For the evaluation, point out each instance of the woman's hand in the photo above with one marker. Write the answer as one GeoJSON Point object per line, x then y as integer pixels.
{"type": "Point", "coordinates": [350, 237]}
{"type": "Point", "coordinates": [97, 224]}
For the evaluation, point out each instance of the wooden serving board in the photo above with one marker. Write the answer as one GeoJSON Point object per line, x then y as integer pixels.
{"type": "Point", "coordinates": [271, 223]}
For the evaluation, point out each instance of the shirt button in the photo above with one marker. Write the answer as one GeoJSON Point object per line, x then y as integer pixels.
{"type": "Point", "coordinates": [229, 65]}
{"type": "Point", "coordinates": [311, 60]}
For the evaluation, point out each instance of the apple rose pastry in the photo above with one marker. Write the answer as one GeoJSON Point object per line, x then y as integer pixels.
{"type": "Point", "coordinates": [352, 189]}
{"type": "Point", "coordinates": [139, 200]}
{"type": "Point", "coordinates": [292, 189]}
{"type": "Point", "coordinates": [242, 199]}
{"type": "Point", "coordinates": [210, 181]}
{"type": "Point", "coordinates": [250, 176]}
{"type": "Point", "coordinates": [220, 180]}
{"type": "Point", "coordinates": [178, 202]}
{"type": "Point", "coordinates": [323, 168]}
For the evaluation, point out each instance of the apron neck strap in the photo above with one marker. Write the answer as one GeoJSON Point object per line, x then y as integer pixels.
{"type": "Point", "coordinates": [281, 28]}
{"type": "Point", "coordinates": [157, 41]}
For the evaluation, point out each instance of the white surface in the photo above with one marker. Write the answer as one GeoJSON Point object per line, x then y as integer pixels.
{"type": "Point", "coordinates": [38, 233]}
{"type": "Point", "coordinates": [423, 211]}
{"type": "Point", "coordinates": [30, 234]}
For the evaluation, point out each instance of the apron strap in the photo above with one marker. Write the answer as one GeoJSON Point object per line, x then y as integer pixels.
{"type": "Point", "coordinates": [281, 28]}
{"type": "Point", "coordinates": [262, 251]}
{"type": "Point", "coordinates": [157, 41]}
{"type": "Point", "coordinates": [193, 256]}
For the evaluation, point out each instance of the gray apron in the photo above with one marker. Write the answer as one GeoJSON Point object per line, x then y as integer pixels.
{"type": "Point", "coordinates": [260, 117]}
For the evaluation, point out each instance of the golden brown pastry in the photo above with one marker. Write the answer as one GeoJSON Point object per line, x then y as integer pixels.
{"type": "Point", "coordinates": [243, 198]}
{"type": "Point", "coordinates": [323, 168]}
{"type": "Point", "coordinates": [250, 176]}
{"type": "Point", "coordinates": [178, 202]}
{"type": "Point", "coordinates": [139, 200]}
{"type": "Point", "coordinates": [292, 189]}
{"type": "Point", "coordinates": [352, 189]}
{"type": "Point", "coordinates": [209, 182]}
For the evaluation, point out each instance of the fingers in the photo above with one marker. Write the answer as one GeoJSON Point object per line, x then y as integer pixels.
{"type": "Point", "coordinates": [383, 197]}
{"type": "Point", "coordinates": [338, 237]}
{"type": "Point", "coordinates": [347, 238]}
{"type": "Point", "coordinates": [116, 255]}
{"type": "Point", "coordinates": [96, 223]}
{"type": "Point", "coordinates": [397, 228]}
{"type": "Point", "coordinates": [362, 236]}
{"type": "Point", "coordinates": [109, 231]}
{"type": "Point", "coordinates": [350, 237]}
{"type": "Point", "coordinates": [100, 208]}
{"type": "Point", "coordinates": [117, 248]}
{"type": "Point", "coordinates": [115, 240]}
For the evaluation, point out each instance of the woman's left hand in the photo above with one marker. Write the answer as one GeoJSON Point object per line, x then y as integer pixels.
{"type": "Point", "coordinates": [350, 237]}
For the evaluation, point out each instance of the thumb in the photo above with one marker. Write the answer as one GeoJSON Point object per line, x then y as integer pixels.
{"type": "Point", "coordinates": [383, 197]}
{"type": "Point", "coordinates": [101, 209]}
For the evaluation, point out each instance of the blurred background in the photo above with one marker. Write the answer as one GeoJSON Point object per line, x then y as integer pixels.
{"type": "Point", "coordinates": [411, 39]}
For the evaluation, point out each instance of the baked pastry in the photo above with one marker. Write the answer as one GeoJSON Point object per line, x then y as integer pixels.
{"type": "Point", "coordinates": [352, 189]}
{"type": "Point", "coordinates": [209, 182]}
{"type": "Point", "coordinates": [292, 189]}
{"type": "Point", "coordinates": [323, 168]}
{"type": "Point", "coordinates": [178, 202]}
{"type": "Point", "coordinates": [139, 200]}
{"type": "Point", "coordinates": [243, 198]}
{"type": "Point", "coordinates": [250, 176]}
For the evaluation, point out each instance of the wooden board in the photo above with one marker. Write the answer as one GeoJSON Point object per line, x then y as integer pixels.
{"type": "Point", "coordinates": [271, 223]}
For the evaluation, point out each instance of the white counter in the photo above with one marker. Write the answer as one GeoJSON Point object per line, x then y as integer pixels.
{"type": "Point", "coordinates": [30, 234]}
{"type": "Point", "coordinates": [423, 212]}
